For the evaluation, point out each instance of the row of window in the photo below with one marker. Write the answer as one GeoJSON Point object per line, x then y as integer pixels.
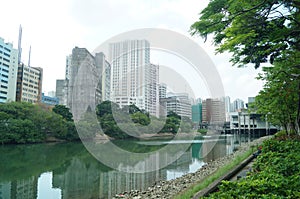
{"type": "Point", "coordinates": [7, 60]}
{"type": "Point", "coordinates": [8, 55]}
{"type": "Point", "coordinates": [5, 48]}
{"type": "Point", "coordinates": [4, 64]}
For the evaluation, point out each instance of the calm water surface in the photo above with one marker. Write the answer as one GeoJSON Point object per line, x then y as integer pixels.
{"type": "Point", "coordinates": [69, 171]}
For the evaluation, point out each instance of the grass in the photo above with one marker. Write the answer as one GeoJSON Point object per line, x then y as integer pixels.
{"type": "Point", "coordinates": [189, 193]}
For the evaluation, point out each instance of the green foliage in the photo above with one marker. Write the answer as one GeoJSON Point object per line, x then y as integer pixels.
{"type": "Point", "coordinates": [256, 32]}
{"type": "Point", "coordinates": [68, 123]}
{"type": "Point", "coordinates": [276, 174]}
{"type": "Point", "coordinates": [63, 111]}
{"type": "Point", "coordinates": [253, 31]}
{"type": "Point", "coordinates": [202, 131]}
{"type": "Point", "coordinates": [172, 123]}
{"type": "Point", "coordinates": [115, 122]}
{"type": "Point", "coordinates": [189, 193]}
{"type": "Point", "coordinates": [27, 123]}
{"type": "Point", "coordinates": [279, 99]}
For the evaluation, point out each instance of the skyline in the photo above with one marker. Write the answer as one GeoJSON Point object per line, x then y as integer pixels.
{"type": "Point", "coordinates": [53, 35]}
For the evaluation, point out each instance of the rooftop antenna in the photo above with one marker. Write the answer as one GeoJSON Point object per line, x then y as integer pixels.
{"type": "Point", "coordinates": [19, 45]}
{"type": "Point", "coordinates": [29, 56]}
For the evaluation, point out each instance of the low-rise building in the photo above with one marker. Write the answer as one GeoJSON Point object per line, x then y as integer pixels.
{"type": "Point", "coordinates": [50, 101]}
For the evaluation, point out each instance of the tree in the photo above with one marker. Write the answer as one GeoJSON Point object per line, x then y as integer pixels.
{"type": "Point", "coordinates": [30, 123]}
{"type": "Point", "coordinates": [172, 123]}
{"type": "Point", "coordinates": [280, 97]}
{"type": "Point", "coordinates": [106, 107]}
{"type": "Point", "coordinates": [63, 111]}
{"type": "Point", "coordinates": [257, 32]}
{"type": "Point", "coordinates": [140, 118]}
{"type": "Point", "coordinates": [253, 31]}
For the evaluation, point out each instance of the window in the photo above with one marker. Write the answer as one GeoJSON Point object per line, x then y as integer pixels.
{"type": "Point", "coordinates": [8, 55]}
{"type": "Point", "coordinates": [6, 49]}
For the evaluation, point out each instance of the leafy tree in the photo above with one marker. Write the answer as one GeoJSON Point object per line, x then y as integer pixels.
{"type": "Point", "coordinates": [253, 31]}
{"type": "Point", "coordinates": [68, 123]}
{"type": "Point", "coordinates": [140, 118]}
{"type": "Point", "coordinates": [63, 111]}
{"type": "Point", "coordinates": [257, 32]}
{"type": "Point", "coordinates": [279, 99]}
{"type": "Point", "coordinates": [106, 107]}
{"type": "Point", "coordinates": [172, 123]}
{"type": "Point", "coordinates": [28, 123]}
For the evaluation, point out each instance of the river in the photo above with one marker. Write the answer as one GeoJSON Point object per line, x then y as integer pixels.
{"type": "Point", "coordinates": [68, 170]}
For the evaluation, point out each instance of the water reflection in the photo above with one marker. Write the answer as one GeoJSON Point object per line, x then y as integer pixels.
{"type": "Point", "coordinates": [69, 171]}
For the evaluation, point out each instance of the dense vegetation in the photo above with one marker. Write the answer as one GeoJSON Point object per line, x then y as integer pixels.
{"type": "Point", "coordinates": [130, 121]}
{"type": "Point", "coordinates": [28, 123]}
{"type": "Point", "coordinates": [276, 173]}
{"type": "Point", "coordinates": [261, 32]}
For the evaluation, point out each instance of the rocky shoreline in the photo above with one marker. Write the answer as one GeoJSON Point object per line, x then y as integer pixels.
{"type": "Point", "coordinates": [168, 189]}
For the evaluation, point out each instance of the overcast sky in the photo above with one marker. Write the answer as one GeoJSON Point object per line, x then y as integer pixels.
{"type": "Point", "coordinates": [53, 28]}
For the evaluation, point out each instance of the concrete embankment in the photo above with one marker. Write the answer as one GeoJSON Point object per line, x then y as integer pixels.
{"type": "Point", "coordinates": [169, 189]}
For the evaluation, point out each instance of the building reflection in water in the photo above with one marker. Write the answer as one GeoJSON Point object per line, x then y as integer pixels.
{"type": "Point", "coordinates": [81, 176]}
{"type": "Point", "coordinates": [19, 189]}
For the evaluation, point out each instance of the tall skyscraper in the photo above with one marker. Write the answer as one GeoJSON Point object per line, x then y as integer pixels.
{"type": "Point", "coordinates": [134, 78]}
{"type": "Point", "coordinates": [87, 81]}
{"type": "Point", "coordinates": [162, 90]}
{"type": "Point", "coordinates": [68, 66]}
{"type": "Point", "coordinates": [19, 45]}
{"type": "Point", "coordinates": [8, 71]}
{"type": "Point", "coordinates": [61, 91]}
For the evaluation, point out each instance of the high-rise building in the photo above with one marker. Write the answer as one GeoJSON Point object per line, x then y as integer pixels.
{"type": "Point", "coordinates": [96, 68]}
{"type": "Point", "coordinates": [29, 84]}
{"type": "Point", "coordinates": [8, 71]}
{"type": "Point", "coordinates": [162, 90]}
{"type": "Point", "coordinates": [105, 74]}
{"type": "Point", "coordinates": [153, 90]}
{"type": "Point", "coordinates": [213, 111]}
{"type": "Point", "coordinates": [87, 81]}
{"type": "Point", "coordinates": [178, 103]}
{"type": "Point", "coordinates": [62, 91]}
{"type": "Point", "coordinates": [237, 105]}
{"type": "Point", "coordinates": [134, 79]}
{"type": "Point", "coordinates": [197, 113]}
{"type": "Point", "coordinates": [68, 66]}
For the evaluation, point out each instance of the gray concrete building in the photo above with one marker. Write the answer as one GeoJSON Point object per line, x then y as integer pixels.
{"type": "Point", "coordinates": [87, 81]}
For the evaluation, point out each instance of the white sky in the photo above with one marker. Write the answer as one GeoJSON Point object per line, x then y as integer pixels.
{"type": "Point", "coordinates": [53, 28]}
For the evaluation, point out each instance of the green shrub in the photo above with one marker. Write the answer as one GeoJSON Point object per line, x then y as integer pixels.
{"type": "Point", "coordinates": [276, 174]}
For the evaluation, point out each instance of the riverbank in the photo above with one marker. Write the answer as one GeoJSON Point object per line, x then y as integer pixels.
{"type": "Point", "coordinates": [170, 189]}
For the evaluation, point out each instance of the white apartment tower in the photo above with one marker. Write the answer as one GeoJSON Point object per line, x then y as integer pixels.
{"type": "Point", "coordinates": [134, 79]}
{"type": "Point", "coordinates": [8, 71]}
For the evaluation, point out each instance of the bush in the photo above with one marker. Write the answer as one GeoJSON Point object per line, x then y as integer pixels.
{"type": "Point", "coordinates": [276, 174]}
